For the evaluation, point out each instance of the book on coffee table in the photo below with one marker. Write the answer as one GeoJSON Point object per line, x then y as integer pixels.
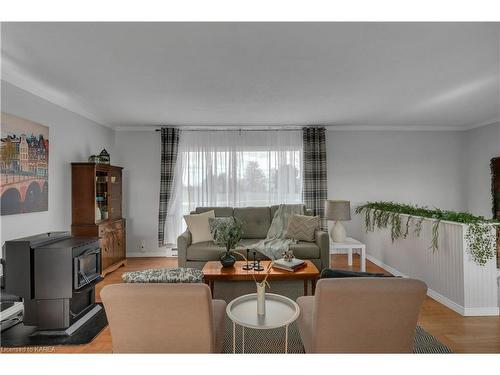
{"type": "Point", "coordinates": [289, 265]}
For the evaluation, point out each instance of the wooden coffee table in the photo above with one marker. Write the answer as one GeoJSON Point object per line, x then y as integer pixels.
{"type": "Point", "coordinates": [213, 271]}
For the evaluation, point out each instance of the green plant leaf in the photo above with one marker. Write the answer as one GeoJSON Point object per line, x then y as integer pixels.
{"type": "Point", "coordinates": [481, 239]}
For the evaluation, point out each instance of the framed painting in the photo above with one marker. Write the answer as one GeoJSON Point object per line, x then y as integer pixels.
{"type": "Point", "coordinates": [495, 187]}
{"type": "Point", "coordinates": [24, 163]}
{"type": "Point", "coordinates": [495, 198]}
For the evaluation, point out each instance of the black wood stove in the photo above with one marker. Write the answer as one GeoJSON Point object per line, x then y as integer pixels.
{"type": "Point", "coordinates": [55, 274]}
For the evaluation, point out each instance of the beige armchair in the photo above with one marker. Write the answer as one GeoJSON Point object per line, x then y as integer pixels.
{"type": "Point", "coordinates": [361, 315]}
{"type": "Point", "coordinates": [164, 318]}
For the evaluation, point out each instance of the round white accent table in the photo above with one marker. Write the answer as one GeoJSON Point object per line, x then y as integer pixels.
{"type": "Point", "coordinates": [281, 311]}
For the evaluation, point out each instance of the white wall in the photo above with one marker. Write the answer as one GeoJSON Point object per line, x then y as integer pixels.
{"type": "Point", "coordinates": [139, 154]}
{"type": "Point", "coordinates": [72, 138]}
{"type": "Point", "coordinates": [419, 167]}
{"type": "Point", "coordinates": [481, 145]}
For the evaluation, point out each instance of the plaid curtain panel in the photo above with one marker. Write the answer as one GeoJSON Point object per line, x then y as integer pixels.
{"type": "Point", "coordinates": [314, 190]}
{"type": "Point", "coordinates": [169, 150]}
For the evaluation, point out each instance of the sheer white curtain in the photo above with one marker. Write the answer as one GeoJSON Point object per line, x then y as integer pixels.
{"type": "Point", "coordinates": [235, 169]}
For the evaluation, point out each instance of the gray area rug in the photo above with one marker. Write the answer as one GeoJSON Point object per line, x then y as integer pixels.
{"type": "Point", "coordinates": [273, 341]}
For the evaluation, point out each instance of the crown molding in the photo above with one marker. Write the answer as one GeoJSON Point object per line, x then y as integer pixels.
{"type": "Point", "coordinates": [413, 128]}
{"type": "Point", "coordinates": [408, 128]}
{"type": "Point", "coordinates": [484, 123]}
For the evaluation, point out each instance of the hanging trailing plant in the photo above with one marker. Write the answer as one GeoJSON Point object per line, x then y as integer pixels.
{"type": "Point", "coordinates": [481, 240]}
{"type": "Point", "coordinates": [435, 236]}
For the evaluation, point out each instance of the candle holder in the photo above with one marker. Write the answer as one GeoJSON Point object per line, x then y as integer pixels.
{"type": "Point", "coordinates": [258, 267]}
{"type": "Point", "coordinates": [247, 266]}
{"type": "Point", "coordinates": [254, 262]}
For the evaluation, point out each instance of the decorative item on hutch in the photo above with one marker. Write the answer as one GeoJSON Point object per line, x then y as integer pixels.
{"type": "Point", "coordinates": [104, 157]}
{"type": "Point", "coordinates": [93, 159]}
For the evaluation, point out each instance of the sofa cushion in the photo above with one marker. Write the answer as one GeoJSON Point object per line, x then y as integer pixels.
{"type": "Point", "coordinates": [256, 221]}
{"type": "Point", "coordinates": [205, 251]}
{"type": "Point", "coordinates": [219, 211]}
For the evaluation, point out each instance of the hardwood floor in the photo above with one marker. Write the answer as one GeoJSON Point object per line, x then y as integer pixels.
{"type": "Point", "coordinates": [461, 334]}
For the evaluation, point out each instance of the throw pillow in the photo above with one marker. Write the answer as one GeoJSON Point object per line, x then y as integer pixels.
{"type": "Point", "coordinates": [217, 223]}
{"type": "Point", "coordinates": [302, 227]}
{"type": "Point", "coordinates": [198, 226]}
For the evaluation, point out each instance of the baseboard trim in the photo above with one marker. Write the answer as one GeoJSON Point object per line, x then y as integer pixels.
{"type": "Point", "coordinates": [481, 311]}
{"type": "Point", "coordinates": [464, 311]}
{"type": "Point", "coordinates": [147, 254]}
{"type": "Point", "coordinates": [339, 251]}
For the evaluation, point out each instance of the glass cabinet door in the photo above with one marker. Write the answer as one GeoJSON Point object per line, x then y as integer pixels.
{"type": "Point", "coordinates": [115, 209]}
{"type": "Point", "coordinates": [101, 196]}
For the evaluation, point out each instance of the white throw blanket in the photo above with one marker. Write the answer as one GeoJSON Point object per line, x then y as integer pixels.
{"type": "Point", "coordinates": [276, 242]}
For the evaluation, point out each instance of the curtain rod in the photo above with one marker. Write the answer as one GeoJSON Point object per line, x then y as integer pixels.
{"type": "Point", "coordinates": [237, 130]}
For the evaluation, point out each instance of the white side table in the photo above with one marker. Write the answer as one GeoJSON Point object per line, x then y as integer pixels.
{"type": "Point", "coordinates": [281, 311]}
{"type": "Point", "coordinates": [351, 244]}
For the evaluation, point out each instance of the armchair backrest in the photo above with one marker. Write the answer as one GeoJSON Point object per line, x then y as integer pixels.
{"type": "Point", "coordinates": [366, 315]}
{"type": "Point", "coordinates": [160, 318]}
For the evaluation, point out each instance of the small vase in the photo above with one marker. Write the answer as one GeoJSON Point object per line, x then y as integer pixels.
{"type": "Point", "coordinates": [261, 299]}
{"type": "Point", "coordinates": [227, 259]}
{"type": "Point", "coordinates": [97, 214]}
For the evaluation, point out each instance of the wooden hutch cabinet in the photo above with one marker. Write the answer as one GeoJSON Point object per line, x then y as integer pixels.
{"type": "Point", "coordinates": [97, 210]}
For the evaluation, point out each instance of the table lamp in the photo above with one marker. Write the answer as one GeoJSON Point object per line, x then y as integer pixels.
{"type": "Point", "coordinates": [337, 211]}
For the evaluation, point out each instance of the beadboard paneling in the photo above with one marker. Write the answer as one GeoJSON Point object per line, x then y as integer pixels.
{"type": "Point", "coordinates": [452, 276]}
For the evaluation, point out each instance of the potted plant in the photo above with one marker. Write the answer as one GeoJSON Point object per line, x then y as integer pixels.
{"type": "Point", "coordinates": [227, 233]}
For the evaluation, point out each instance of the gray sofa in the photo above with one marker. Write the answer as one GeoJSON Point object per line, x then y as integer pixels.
{"type": "Point", "coordinates": [256, 222]}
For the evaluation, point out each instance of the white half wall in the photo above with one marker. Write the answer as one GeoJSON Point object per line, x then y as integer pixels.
{"type": "Point", "coordinates": [452, 276]}
{"type": "Point", "coordinates": [481, 145]}
{"type": "Point", "coordinates": [72, 138]}
{"type": "Point", "coordinates": [419, 167]}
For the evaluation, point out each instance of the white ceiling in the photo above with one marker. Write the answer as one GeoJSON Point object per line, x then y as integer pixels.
{"type": "Point", "coordinates": [403, 75]}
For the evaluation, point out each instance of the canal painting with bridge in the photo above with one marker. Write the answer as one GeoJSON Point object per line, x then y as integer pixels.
{"type": "Point", "coordinates": [24, 162]}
